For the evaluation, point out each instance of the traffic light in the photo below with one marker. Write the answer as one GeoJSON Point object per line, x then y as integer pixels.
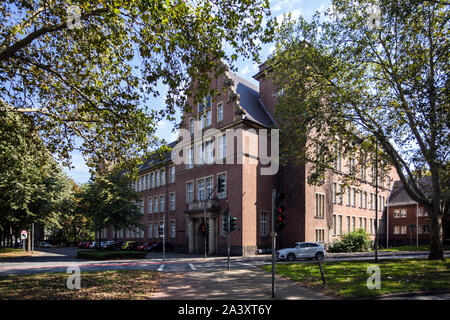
{"type": "Point", "coordinates": [220, 185]}
{"type": "Point", "coordinates": [225, 223]}
{"type": "Point", "coordinates": [233, 223]}
{"type": "Point", "coordinates": [205, 228]}
{"type": "Point", "coordinates": [279, 212]}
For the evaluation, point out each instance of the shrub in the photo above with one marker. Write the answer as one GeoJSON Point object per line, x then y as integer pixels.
{"type": "Point", "coordinates": [354, 241]}
{"type": "Point", "coordinates": [110, 254]}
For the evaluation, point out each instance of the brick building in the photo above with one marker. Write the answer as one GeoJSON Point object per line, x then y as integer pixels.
{"type": "Point", "coordinates": [174, 194]}
{"type": "Point", "coordinates": [408, 221]}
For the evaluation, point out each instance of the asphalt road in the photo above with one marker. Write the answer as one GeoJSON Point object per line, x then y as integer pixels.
{"type": "Point", "coordinates": [59, 259]}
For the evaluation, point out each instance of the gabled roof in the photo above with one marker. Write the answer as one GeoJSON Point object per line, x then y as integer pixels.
{"type": "Point", "coordinates": [398, 194]}
{"type": "Point", "coordinates": [156, 160]}
{"type": "Point", "coordinates": [249, 101]}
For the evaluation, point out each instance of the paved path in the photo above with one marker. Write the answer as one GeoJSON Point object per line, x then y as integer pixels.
{"type": "Point", "coordinates": [254, 284]}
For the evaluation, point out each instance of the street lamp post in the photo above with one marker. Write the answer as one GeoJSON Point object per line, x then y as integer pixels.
{"type": "Point", "coordinates": [376, 200]}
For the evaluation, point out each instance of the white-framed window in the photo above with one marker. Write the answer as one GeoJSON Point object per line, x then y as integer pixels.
{"type": "Point", "coordinates": [339, 226]}
{"type": "Point", "coordinates": [353, 223]}
{"type": "Point", "coordinates": [156, 204]}
{"type": "Point", "coordinates": [421, 212]}
{"type": "Point", "coordinates": [191, 125]}
{"type": "Point", "coordinates": [172, 201]}
{"type": "Point", "coordinates": [202, 121]}
{"type": "Point", "coordinates": [152, 181]}
{"type": "Point", "coordinates": [365, 200]}
{"type": "Point", "coordinates": [201, 190]}
{"type": "Point", "coordinates": [334, 224]}
{"type": "Point", "coordinates": [157, 179]}
{"type": "Point", "coordinates": [424, 229]}
{"type": "Point", "coordinates": [360, 223]}
{"type": "Point", "coordinates": [264, 223]}
{"type": "Point", "coordinates": [200, 159]}
{"type": "Point", "coordinates": [190, 160]}
{"type": "Point", "coordinates": [400, 213]}
{"type": "Point", "coordinates": [348, 224]}
{"type": "Point", "coordinates": [365, 224]}
{"type": "Point", "coordinates": [339, 195]}
{"type": "Point", "coordinates": [147, 186]}
{"type": "Point", "coordinates": [156, 229]}
{"type": "Point", "coordinates": [223, 194]}
{"type": "Point", "coordinates": [208, 118]}
{"type": "Point", "coordinates": [163, 177]}
{"type": "Point", "coordinates": [360, 199]}
{"type": "Point", "coordinates": [396, 229]}
{"type": "Point", "coordinates": [371, 225]}
{"type": "Point", "coordinates": [222, 154]}
{"type": "Point", "coordinates": [172, 174]}
{"type": "Point", "coordinates": [348, 196]}
{"type": "Point", "coordinates": [219, 112]}
{"type": "Point", "coordinates": [189, 192]}
{"type": "Point", "coordinates": [208, 186]}
{"type": "Point", "coordinates": [334, 192]}
{"type": "Point", "coordinates": [150, 230]}
{"type": "Point", "coordinates": [403, 230]}
{"type": "Point", "coordinates": [172, 229]}
{"type": "Point", "coordinates": [353, 197]}
{"type": "Point", "coordinates": [162, 203]}
{"type": "Point", "coordinates": [319, 235]}
{"type": "Point", "coordinates": [209, 152]}
{"type": "Point", "coordinates": [320, 205]}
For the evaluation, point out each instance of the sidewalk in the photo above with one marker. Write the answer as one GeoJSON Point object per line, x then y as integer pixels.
{"type": "Point", "coordinates": [241, 284]}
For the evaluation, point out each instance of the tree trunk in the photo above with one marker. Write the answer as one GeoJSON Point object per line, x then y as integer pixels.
{"type": "Point", "coordinates": [436, 239]}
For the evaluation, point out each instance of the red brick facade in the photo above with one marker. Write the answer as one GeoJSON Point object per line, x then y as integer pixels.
{"type": "Point", "coordinates": [249, 194]}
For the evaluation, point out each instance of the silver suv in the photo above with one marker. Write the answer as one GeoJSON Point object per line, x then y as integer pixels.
{"type": "Point", "coordinates": [311, 250]}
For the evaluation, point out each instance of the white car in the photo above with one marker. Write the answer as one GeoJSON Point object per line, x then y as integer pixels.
{"type": "Point", "coordinates": [311, 250]}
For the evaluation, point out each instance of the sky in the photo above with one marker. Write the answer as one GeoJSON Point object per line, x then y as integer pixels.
{"type": "Point", "coordinates": [246, 69]}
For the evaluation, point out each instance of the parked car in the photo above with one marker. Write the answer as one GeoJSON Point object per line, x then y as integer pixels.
{"type": "Point", "coordinates": [119, 244]}
{"type": "Point", "coordinates": [45, 245]}
{"type": "Point", "coordinates": [87, 244]}
{"type": "Point", "coordinates": [92, 244]}
{"type": "Point", "coordinates": [158, 247]}
{"type": "Point", "coordinates": [82, 244]}
{"type": "Point", "coordinates": [129, 245]}
{"type": "Point", "coordinates": [145, 245]}
{"type": "Point", "coordinates": [108, 245]}
{"type": "Point", "coordinates": [99, 244]}
{"type": "Point", "coordinates": [311, 250]}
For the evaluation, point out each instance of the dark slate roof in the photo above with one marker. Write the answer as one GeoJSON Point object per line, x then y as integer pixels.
{"type": "Point", "coordinates": [157, 160]}
{"type": "Point", "coordinates": [250, 101]}
{"type": "Point", "coordinates": [399, 195]}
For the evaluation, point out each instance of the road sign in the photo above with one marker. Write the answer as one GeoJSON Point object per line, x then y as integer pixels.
{"type": "Point", "coordinates": [23, 234]}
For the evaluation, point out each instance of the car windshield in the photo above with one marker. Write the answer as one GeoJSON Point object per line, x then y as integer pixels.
{"type": "Point", "coordinates": [294, 245]}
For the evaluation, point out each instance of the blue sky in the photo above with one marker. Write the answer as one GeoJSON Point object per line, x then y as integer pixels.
{"type": "Point", "coordinates": [246, 69]}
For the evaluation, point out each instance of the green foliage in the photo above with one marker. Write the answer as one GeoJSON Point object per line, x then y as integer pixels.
{"type": "Point", "coordinates": [109, 200]}
{"type": "Point", "coordinates": [33, 187]}
{"type": "Point", "coordinates": [96, 82]}
{"type": "Point", "coordinates": [342, 78]}
{"type": "Point", "coordinates": [355, 241]}
{"type": "Point", "coordinates": [110, 254]}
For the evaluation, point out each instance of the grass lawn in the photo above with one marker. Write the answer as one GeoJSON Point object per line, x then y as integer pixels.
{"type": "Point", "coordinates": [11, 252]}
{"type": "Point", "coordinates": [133, 285]}
{"type": "Point", "coordinates": [347, 279]}
{"type": "Point", "coordinates": [412, 248]}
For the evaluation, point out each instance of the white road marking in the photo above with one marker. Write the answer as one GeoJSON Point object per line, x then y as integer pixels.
{"type": "Point", "coordinates": [192, 266]}
{"type": "Point", "coordinates": [161, 267]}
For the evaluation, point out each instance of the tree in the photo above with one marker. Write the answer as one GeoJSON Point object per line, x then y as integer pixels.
{"type": "Point", "coordinates": [87, 69]}
{"type": "Point", "coordinates": [33, 187]}
{"type": "Point", "coordinates": [372, 70]}
{"type": "Point", "coordinates": [111, 202]}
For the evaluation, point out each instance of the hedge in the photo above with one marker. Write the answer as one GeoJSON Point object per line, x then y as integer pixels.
{"type": "Point", "coordinates": [110, 254]}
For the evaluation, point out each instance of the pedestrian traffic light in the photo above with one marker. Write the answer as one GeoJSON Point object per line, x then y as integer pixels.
{"type": "Point", "coordinates": [279, 212]}
{"type": "Point", "coordinates": [205, 228]}
{"type": "Point", "coordinates": [233, 223]}
{"type": "Point", "coordinates": [220, 185]}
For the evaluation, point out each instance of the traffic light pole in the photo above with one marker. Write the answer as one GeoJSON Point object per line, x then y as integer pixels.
{"type": "Point", "coordinates": [204, 217]}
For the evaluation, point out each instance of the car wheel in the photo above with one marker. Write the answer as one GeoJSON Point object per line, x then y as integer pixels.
{"type": "Point", "coordinates": [290, 257]}
{"type": "Point", "coordinates": [319, 256]}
